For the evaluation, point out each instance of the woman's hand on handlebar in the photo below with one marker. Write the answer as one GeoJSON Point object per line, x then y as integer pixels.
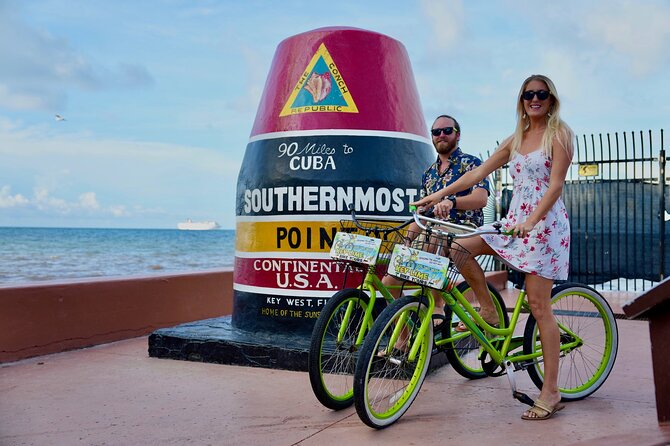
{"type": "Point", "coordinates": [521, 230]}
{"type": "Point", "coordinates": [425, 203]}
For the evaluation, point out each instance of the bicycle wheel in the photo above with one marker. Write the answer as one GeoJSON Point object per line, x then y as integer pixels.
{"type": "Point", "coordinates": [386, 382]}
{"type": "Point", "coordinates": [588, 319]}
{"type": "Point", "coordinates": [332, 361]}
{"type": "Point", "coordinates": [464, 353]}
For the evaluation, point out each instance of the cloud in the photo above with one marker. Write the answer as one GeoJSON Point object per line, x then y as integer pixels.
{"type": "Point", "coordinates": [38, 67]}
{"type": "Point", "coordinates": [446, 18]}
{"type": "Point", "coordinates": [636, 31]}
{"type": "Point", "coordinates": [43, 201]}
{"type": "Point", "coordinates": [88, 200]}
{"type": "Point", "coordinates": [7, 200]}
{"type": "Point", "coordinates": [132, 75]}
{"type": "Point", "coordinates": [255, 68]}
{"type": "Point", "coordinates": [82, 177]}
{"type": "Point", "coordinates": [15, 99]}
{"type": "Point", "coordinates": [120, 211]}
{"type": "Point", "coordinates": [621, 36]}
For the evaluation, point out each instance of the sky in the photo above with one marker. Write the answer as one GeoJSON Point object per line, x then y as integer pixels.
{"type": "Point", "coordinates": [159, 97]}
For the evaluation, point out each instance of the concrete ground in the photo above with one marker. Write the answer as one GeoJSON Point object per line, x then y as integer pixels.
{"type": "Point", "coordinates": [114, 394]}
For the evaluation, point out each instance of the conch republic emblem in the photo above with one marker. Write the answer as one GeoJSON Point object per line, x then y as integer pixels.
{"type": "Point", "coordinates": [339, 124]}
{"type": "Point", "coordinates": [321, 88]}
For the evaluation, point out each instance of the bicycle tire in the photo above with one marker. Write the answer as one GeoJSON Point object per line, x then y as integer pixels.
{"type": "Point", "coordinates": [386, 385]}
{"type": "Point", "coordinates": [331, 364]}
{"type": "Point", "coordinates": [587, 314]}
{"type": "Point", "coordinates": [464, 354]}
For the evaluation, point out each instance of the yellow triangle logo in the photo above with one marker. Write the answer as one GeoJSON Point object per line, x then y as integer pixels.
{"type": "Point", "coordinates": [321, 88]}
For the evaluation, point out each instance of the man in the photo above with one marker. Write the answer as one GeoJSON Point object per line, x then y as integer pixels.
{"type": "Point", "coordinates": [465, 208]}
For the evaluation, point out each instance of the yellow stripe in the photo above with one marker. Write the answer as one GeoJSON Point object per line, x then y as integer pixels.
{"type": "Point", "coordinates": [285, 236]}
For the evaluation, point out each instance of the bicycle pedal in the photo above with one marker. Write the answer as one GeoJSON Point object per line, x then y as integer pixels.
{"type": "Point", "coordinates": [523, 398]}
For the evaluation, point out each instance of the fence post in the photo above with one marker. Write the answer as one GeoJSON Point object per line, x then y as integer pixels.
{"type": "Point", "coordinates": [662, 210]}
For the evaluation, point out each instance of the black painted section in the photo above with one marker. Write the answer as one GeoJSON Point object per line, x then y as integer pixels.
{"type": "Point", "coordinates": [344, 161]}
{"type": "Point", "coordinates": [218, 341]}
{"type": "Point", "coordinates": [247, 317]}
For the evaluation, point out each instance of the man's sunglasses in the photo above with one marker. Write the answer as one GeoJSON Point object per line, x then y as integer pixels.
{"type": "Point", "coordinates": [445, 130]}
{"type": "Point", "coordinates": [541, 95]}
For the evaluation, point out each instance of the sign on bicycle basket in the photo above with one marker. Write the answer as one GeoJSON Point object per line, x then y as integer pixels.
{"type": "Point", "coordinates": [418, 266]}
{"type": "Point", "coordinates": [355, 247]}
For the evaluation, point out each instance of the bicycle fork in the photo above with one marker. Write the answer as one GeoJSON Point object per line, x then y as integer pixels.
{"type": "Point", "coordinates": [509, 371]}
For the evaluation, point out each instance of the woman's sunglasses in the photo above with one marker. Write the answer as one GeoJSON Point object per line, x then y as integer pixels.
{"type": "Point", "coordinates": [445, 130]}
{"type": "Point", "coordinates": [541, 95]}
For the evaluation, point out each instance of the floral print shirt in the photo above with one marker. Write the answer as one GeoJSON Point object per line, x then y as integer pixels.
{"type": "Point", "coordinates": [459, 163]}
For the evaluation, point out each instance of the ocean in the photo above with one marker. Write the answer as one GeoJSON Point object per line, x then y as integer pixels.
{"type": "Point", "coordinates": [47, 254]}
{"type": "Point", "coordinates": [29, 255]}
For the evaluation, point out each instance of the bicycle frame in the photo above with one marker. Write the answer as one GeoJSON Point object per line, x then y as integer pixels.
{"type": "Point", "coordinates": [371, 283]}
{"type": "Point", "coordinates": [394, 358]}
{"type": "Point", "coordinates": [472, 320]}
{"type": "Point", "coordinates": [364, 245]}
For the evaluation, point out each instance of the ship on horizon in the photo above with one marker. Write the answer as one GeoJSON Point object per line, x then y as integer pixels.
{"type": "Point", "coordinates": [190, 225]}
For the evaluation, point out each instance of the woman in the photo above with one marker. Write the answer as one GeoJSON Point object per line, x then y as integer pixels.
{"type": "Point", "coordinates": [539, 155]}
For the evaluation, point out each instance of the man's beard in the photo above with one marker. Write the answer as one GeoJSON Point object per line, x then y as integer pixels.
{"type": "Point", "coordinates": [445, 147]}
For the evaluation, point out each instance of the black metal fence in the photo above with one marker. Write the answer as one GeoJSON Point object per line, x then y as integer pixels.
{"type": "Point", "coordinates": [617, 194]}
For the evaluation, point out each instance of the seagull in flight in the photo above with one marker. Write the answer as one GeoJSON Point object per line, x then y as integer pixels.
{"type": "Point", "coordinates": [59, 118]}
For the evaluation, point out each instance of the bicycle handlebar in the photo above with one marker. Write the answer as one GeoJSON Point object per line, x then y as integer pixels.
{"type": "Point", "coordinates": [453, 230]}
{"type": "Point", "coordinates": [377, 230]}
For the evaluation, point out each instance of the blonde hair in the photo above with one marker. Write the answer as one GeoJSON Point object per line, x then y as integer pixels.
{"type": "Point", "coordinates": [555, 125]}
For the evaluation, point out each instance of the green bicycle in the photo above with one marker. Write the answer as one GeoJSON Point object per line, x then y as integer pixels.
{"type": "Point", "coordinates": [349, 314]}
{"type": "Point", "coordinates": [387, 379]}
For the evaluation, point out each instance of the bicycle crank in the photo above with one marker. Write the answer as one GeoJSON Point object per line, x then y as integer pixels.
{"type": "Point", "coordinates": [509, 368]}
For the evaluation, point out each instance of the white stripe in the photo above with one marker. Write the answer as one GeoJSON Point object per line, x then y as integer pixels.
{"type": "Point", "coordinates": [341, 132]}
{"type": "Point", "coordinates": [292, 217]}
{"type": "Point", "coordinates": [282, 291]}
{"type": "Point", "coordinates": [310, 217]}
{"type": "Point", "coordinates": [283, 255]}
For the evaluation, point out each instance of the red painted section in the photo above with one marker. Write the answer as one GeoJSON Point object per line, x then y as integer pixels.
{"type": "Point", "coordinates": [294, 274]}
{"type": "Point", "coordinates": [377, 72]}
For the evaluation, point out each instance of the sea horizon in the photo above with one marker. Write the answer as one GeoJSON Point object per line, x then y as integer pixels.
{"type": "Point", "coordinates": [38, 254]}
{"type": "Point", "coordinates": [30, 255]}
{"type": "Point", "coordinates": [104, 227]}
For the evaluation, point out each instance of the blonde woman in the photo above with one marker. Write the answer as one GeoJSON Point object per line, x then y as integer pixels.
{"type": "Point", "coordinates": [539, 154]}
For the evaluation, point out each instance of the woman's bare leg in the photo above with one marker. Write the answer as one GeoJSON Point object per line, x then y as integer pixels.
{"type": "Point", "coordinates": [473, 273]}
{"type": "Point", "coordinates": [538, 290]}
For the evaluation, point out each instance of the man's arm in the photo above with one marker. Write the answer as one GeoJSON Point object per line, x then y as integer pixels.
{"type": "Point", "coordinates": [474, 200]}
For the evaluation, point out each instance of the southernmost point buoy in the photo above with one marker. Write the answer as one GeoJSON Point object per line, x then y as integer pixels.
{"type": "Point", "coordinates": [339, 123]}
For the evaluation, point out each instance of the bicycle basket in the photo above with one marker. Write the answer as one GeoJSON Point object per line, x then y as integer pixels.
{"type": "Point", "coordinates": [422, 259]}
{"type": "Point", "coordinates": [376, 230]}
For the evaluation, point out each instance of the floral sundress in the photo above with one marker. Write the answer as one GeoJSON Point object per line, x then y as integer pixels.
{"type": "Point", "coordinates": [545, 251]}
